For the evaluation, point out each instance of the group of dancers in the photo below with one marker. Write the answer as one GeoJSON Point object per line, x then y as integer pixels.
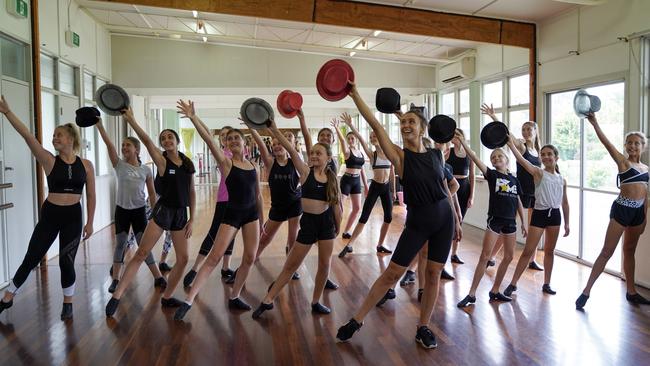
{"type": "Point", "coordinates": [438, 188]}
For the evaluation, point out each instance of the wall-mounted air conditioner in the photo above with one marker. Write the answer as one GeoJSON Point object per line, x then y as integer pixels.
{"type": "Point", "coordinates": [462, 69]}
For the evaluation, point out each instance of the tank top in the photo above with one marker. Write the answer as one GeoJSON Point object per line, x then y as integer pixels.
{"type": "Point", "coordinates": [354, 162]}
{"type": "Point", "coordinates": [549, 191]}
{"type": "Point", "coordinates": [526, 179]}
{"type": "Point", "coordinates": [314, 189]}
{"type": "Point", "coordinates": [379, 163]}
{"type": "Point", "coordinates": [67, 178]}
{"type": "Point", "coordinates": [332, 165]}
{"type": "Point", "coordinates": [422, 177]}
{"type": "Point", "coordinates": [460, 166]}
{"type": "Point", "coordinates": [284, 183]}
{"type": "Point", "coordinates": [222, 193]}
{"type": "Point", "coordinates": [175, 184]}
{"type": "Point", "coordinates": [241, 186]}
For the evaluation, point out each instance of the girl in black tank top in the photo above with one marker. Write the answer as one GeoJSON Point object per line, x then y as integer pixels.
{"type": "Point", "coordinates": [429, 216]}
{"type": "Point", "coordinates": [61, 215]}
{"type": "Point", "coordinates": [176, 187]}
{"type": "Point", "coordinates": [318, 184]}
{"type": "Point", "coordinates": [244, 211]}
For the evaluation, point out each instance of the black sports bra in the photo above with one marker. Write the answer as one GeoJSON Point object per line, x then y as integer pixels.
{"type": "Point", "coordinates": [314, 189]}
{"type": "Point", "coordinates": [631, 176]}
{"type": "Point", "coordinates": [354, 162]}
{"type": "Point", "coordinates": [67, 178]}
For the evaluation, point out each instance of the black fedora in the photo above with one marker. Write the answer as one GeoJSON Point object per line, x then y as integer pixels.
{"type": "Point", "coordinates": [256, 113]}
{"type": "Point", "coordinates": [495, 134]}
{"type": "Point", "coordinates": [86, 116]}
{"type": "Point", "coordinates": [387, 100]}
{"type": "Point", "coordinates": [442, 128]}
{"type": "Point", "coordinates": [112, 99]}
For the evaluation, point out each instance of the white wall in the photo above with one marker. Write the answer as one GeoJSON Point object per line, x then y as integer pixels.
{"type": "Point", "coordinates": [16, 27]}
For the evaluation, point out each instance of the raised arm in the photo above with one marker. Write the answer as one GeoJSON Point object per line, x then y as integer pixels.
{"type": "Point", "coordinates": [153, 150]}
{"type": "Point", "coordinates": [611, 149]}
{"type": "Point", "coordinates": [348, 121]}
{"type": "Point", "coordinates": [344, 145]}
{"type": "Point", "coordinates": [530, 168]}
{"type": "Point", "coordinates": [301, 166]}
{"type": "Point", "coordinates": [393, 152]}
{"type": "Point", "coordinates": [472, 155]}
{"type": "Point", "coordinates": [44, 157]}
{"type": "Point", "coordinates": [489, 110]}
{"type": "Point", "coordinates": [305, 131]}
{"type": "Point", "coordinates": [112, 152]}
{"type": "Point", "coordinates": [186, 110]}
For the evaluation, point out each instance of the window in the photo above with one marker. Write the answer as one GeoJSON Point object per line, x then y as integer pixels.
{"type": "Point", "coordinates": [48, 104]}
{"type": "Point", "coordinates": [67, 80]}
{"type": "Point", "coordinates": [519, 90]}
{"type": "Point", "coordinates": [13, 59]}
{"type": "Point", "coordinates": [89, 91]}
{"type": "Point", "coordinates": [47, 71]}
{"type": "Point", "coordinates": [449, 105]}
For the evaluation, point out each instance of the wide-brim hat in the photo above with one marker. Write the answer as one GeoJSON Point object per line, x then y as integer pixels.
{"type": "Point", "coordinates": [442, 128]}
{"type": "Point", "coordinates": [584, 103]}
{"type": "Point", "coordinates": [86, 116]}
{"type": "Point", "coordinates": [289, 103]}
{"type": "Point", "coordinates": [112, 99]}
{"type": "Point", "coordinates": [495, 134]}
{"type": "Point", "coordinates": [332, 80]}
{"type": "Point", "coordinates": [256, 113]}
{"type": "Point", "coordinates": [387, 100]}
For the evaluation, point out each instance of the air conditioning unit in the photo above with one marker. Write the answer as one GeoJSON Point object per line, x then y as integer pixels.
{"type": "Point", "coordinates": [460, 70]}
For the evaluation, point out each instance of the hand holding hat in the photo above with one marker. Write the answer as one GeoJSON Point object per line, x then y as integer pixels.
{"type": "Point", "coordinates": [87, 116]}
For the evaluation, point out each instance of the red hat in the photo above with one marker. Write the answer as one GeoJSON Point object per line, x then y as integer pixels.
{"type": "Point", "coordinates": [332, 80]}
{"type": "Point", "coordinates": [289, 103]}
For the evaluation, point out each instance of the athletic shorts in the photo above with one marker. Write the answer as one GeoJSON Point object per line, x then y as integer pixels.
{"type": "Point", "coordinates": [500, 225]}
{"type": "Point", "coordinates": [284, 212]}
{"type": "Point", "coordinates": [350, 184]}
{"type": "Point", "coordinates": [546, 217]}
{"type": "Point", "coordinates": [316, 227]}
{"type": "Point", "coordinates": [238, 217]}
{"type": "Point", "coordinates": [528, 200]}
{"type": "Point", "coordinates": [169, 218]}
{"type": "Point", "coordinates": [628, 212]}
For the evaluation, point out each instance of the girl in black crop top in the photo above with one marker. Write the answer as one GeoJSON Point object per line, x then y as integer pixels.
{"type": "Point", "coordinates": [67, 174]}
{"type": "Point", "coordinates": [319, 223]}
{"type": "Point", "coordinates": [429, 219]}
{"type": "Point", "coordinates": [176, 182]}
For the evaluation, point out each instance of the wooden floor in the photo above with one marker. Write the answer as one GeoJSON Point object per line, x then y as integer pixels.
{"type": "Point", "coordinates": [534, 329]}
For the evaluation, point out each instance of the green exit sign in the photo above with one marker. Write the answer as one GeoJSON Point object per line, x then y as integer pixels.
{"type": "Point", "coordinates": [72, 39]}
{"type": "Point", "coordinates": [17, 8]}
{"type": "Point", "coordinates": [75, 39]}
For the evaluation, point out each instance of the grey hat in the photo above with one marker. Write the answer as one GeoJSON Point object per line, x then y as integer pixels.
{"type": "Point", "coordinates": [583, 103]}
{"type": "Point", "coordinates": [256, 113]}
{"type": "Point", "coordinates": [112, 99]}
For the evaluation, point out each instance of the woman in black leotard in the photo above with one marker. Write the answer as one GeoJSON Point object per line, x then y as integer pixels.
{"type": "Point", "coordinates": [67, 174]}
{"type": "Point", "coordinates": [430, 217]}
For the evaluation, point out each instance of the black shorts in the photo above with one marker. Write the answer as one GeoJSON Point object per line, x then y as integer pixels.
{"type": "Point", "coordinates": [282, 213]}
{"type": "Point", "coordinates": [528, 200]}
{"type": "Point", "coordinates": [500, 225]}
{"type": "Point", "coordinates": [626, 215]}
{"type": "Point", "coordinates": [316, 227]}
{"type": "Point", "coordinates": [169, 218]}
{"type": "Point", "coordinates": [238, 217]}
{"type": "Point", "coordinates": [350, 184]}
{"type": "Point", "coordinates": [546, 217]}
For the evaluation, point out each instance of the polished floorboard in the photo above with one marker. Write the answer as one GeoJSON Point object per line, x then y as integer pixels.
{"type": "Point", "coordinates": [533, 329]}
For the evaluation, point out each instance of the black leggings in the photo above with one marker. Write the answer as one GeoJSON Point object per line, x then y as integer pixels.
{"type": "Point", "coordinates": [208, 242]}
{"type": "Point", "coordinates": [64, 221]}
{"type": "Point", "coordinates": [378, 190]}
{"type": "Point", "coordinates": [463, 194]}
{"type": "Point", "coordinates": [135, 219]}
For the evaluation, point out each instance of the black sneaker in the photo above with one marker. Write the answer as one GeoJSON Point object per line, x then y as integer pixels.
{"type": "Point", "coordinates": [319, 308]}
{"type": "Point", "coordinates": [172, 302]}
{"type": "Point", "coordinates": [227, 273]}
{"type": "Point", "coordinates": [581, 301]}
{"type": "Point", "coordinates": [408, 279]}
{"type": "Point", "coordinates": [295, 276]}
{"type": "Point", "coordinates": [230, 280]}
{"type": "Point", "coordinates": [456, 259]}
{"type": "Point", "coordinates": [390, 294]}
{"type": "Point", "coordinates": [509, 290]}
{"type": "Point", "coordinates": [637, 299]}
{"type": "Point", "coordinates": [181, 311]}
{"type": "Point", "coordinates": [546, 288]}
{"type": "Point", "coordinates": [491, 263]}
{"type": "Point", "coordinates": [425, 337]}
{"type": "Point", "coordinates": [346, 236]}
{"type": "Point", "coordinates": [66, 312]}
{"type": "Point", "coordinates": [113, 286]}
{"type": "Point", "coordinates": [261, 309]}
{"type": "Point", "coordinates": [238, 304]}
{"type": "Point", "coordinates": [329, 285]}
{"type": "Point", "coordinates": [164, 267]}
{"type": "Point", "coordinates": [5, 305]}
{"type": "Point", "coordinates": [347, 331]}
{"type": "Point", "coordinates": [160, 282]}
{"type": "Point", "coordinates": [111, 307]}
{"type": "Point", "coordinates": [346, 249]}
{"type": "Point", "coordinates": [189, 278]}
{"type": "Point", "coordinates": [446, 276]}
{"type": "Point", "coordinates": [534, 266]}
{"type": "Point", "coordinates": [420, 293]}
{"type": "Point", "coordinates": [467, 301]}
{"type": "Point", "coordinates": [497, 296]}
{"type": "Point", "coordinates": [383, 250]}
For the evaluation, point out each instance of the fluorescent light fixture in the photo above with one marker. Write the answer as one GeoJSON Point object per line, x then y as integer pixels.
{"type": "Point", "coordinates": [352, 53]}
{"type": "Point", "coordinates": [175, 36]}
{"type": "Point", "coordinates": [195, 13]}
{"type": "Point", "coordinates": [205, 39]}
{"type": "Point", "coordinates": [376, 33]}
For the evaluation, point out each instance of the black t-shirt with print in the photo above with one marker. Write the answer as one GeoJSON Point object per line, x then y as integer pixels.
{"type": "Point", "coordinates": [504, 194]}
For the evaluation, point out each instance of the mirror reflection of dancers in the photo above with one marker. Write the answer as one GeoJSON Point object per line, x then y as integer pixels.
{"type": "Point", "coordinates": [67, 174]}
{"type": "Point", "coordinates": [629, 212]}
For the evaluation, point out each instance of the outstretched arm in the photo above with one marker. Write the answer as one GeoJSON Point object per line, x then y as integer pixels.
{"type": "Point", "coordinates": [348, 121]}
{"type": "Point", "coordinates": [305, 132]}
{"type": "Point", "coordinates": [472, 155]}
{"type": "Point", "coordinates": [530, 168]}
{"type": "Point", "coordinates": [186, 110]}
{"type": "Point", "coordinates": [344, 145]}
{"type": "Point", "coordinates": [154, 152]}
{"type": "Point", "coordinates": [611, 149]}
{"type": "Point", "coordinates": [301, 166]}
{"type": "Point", "coordinates": [489, 110]}
{"type": "Point", "coordinates": [112, 152]}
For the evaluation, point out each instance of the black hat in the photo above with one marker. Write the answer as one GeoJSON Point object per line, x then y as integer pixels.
{"type": "Point", "coordinates": [112, 99]}
{"type": "Point", "coordinates": [442, 128]}
{"type": "Point", "coordinates": [87, 116]}
{"type": "Point", "coordinates": [387, 100]}
{"type": "Point", "coordinates": [495, 134]}
{"type": "Point", "coordinates": [256, 113]}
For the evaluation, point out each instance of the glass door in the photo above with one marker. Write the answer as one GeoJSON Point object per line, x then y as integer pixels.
{"type": "Point", "coordinates": [589, 170]}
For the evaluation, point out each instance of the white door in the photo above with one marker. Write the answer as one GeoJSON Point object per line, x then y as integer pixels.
{"type": "Point", "coordinates": [17, 170]}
